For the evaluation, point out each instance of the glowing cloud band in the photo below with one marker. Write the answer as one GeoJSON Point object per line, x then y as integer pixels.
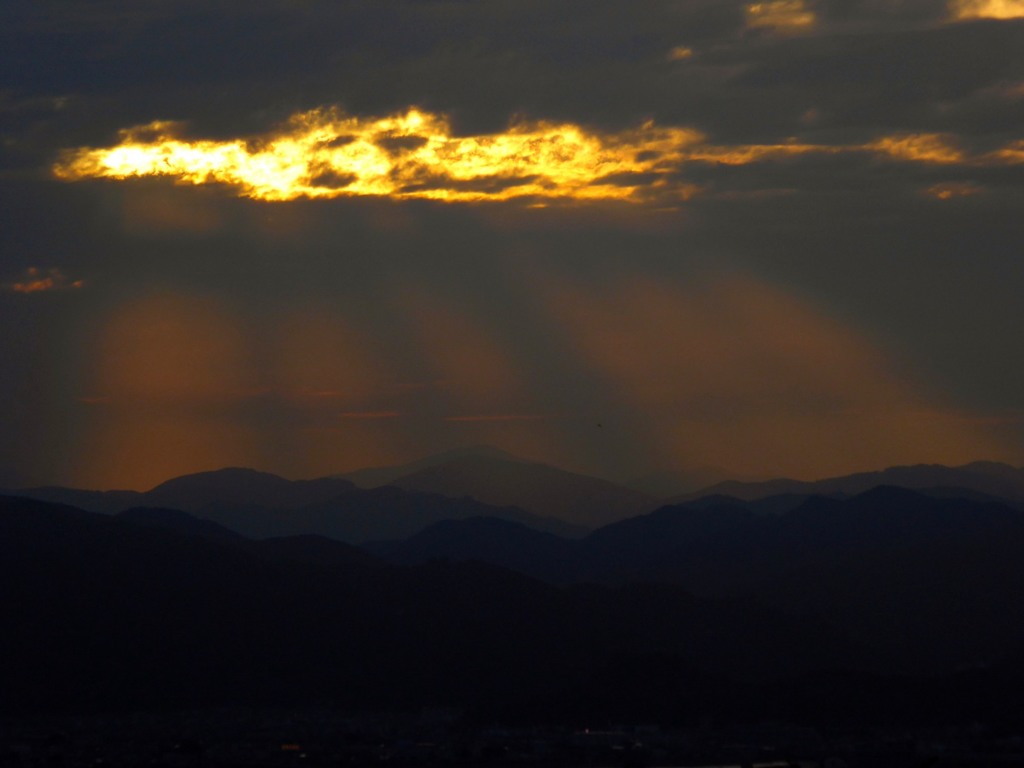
{"type": "Point", "coordinates": [323, 154]}
{"type": "Point", "coordinates": [326, 154]}
{"type": "Point", "coordinates": [962, 10]}
{"type": "Point", "coordinates": [781, 15]}
{"type": "Point", "coordinates": [36, 280]}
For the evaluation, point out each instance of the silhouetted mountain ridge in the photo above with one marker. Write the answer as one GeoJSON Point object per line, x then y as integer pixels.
{"type": "Point", "coordinates": [261, 505]}
{"type": "Point", "coordinates": [374, 477]}
{"type": "Point", "coordinates": [885, 567]}
{"type": "Point", "coordinates": [112, 614]}
{"type": "Point", "coordinates": [579, 499]}
{"type": "Point", "coordinates": [992, 478]}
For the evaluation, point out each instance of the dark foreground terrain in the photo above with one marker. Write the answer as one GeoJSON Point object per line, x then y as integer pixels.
{"type": "Point", "coordinates": [704, 633]}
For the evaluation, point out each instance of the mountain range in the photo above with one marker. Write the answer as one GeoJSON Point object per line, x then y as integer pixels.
{"type": "Point", "coordinates": [930, 583]}
{"type": "Point", "coordinates": [397, 501]}
{"type": "Point", "coordinates": [238, 586]}
{"type": "Point", "coordinates": [262, 505]}
{"type": "Point", "coordinates": [496, 477]}
{"type": "Point", "coordinates": [990, 478]}
{"type": "Point", "coordinates": [867, 617]}
{"type": "Point", "coordinates": [142, 610]}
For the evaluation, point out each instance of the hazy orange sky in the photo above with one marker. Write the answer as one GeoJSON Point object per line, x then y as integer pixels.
{"type": "Point", "coordinates": [780, 238]}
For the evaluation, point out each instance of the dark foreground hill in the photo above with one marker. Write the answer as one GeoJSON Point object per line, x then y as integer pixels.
{"type": "Point", "coordinates": [148, 611]}
{"type": "Point", "coordinates": [932, 584]}
{"type": "Point", "coordinates": [107, 613]}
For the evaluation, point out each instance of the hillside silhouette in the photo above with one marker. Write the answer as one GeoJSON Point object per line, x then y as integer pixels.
{"type": "Point", "coordinates": [990, 478]}
{"type": "Point", "coordinates": [263, 505]}
{"type": "Point", "coordinates": [237, 587]}
{"type": "Point", "coordinates": [496, 477]}
{"type": "Point", "coordinates": [932, 584]}
{"type": "Point", "coordinates": [112, 614]}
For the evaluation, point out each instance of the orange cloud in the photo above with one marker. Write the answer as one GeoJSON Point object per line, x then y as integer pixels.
{"type": "Point", "coordinates": [952, 190]}
{"type": "Point", "coordinates": [745, 154]}
{"type": "Point", "coordinates": [919, 148]}
{"type": "Point", "coordinates": [961, 10]}
{"type": "Point", "coordinates": [785, 16]}
{"type": "Point", "coordinates": [36, 280]}
{"type": "Point", "coordinates": [1011, 154]}
{"type": "Point", "coordinates": [680, 53]}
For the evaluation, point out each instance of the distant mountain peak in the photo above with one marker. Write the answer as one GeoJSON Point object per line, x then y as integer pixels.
{"type": "Point", "coordinates": [372, 477]}
{"type": "Point", "coordinates": [533, 486]}
{"type": "Point", "coordinates": [224, 475]}
{"type": "Point", "coordinates": [987, 477]}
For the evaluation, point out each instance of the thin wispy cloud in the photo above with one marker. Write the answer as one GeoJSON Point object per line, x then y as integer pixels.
{"type": "Point", "coordinates": [38, 280]}
{"type": "Point", "coordinates": [492, 417]}
{"type": "Point", "coordinates": [785, 16]}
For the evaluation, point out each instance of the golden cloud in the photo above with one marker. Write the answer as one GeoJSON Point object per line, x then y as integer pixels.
{"type": "Point", "coordinates": [36, 280]}
{"type": "Point", "coordinates": [919, 147]}
{"type": "Point", "coordinates": [961, 10]}
{"type": "Point", "coordinates": [328, 154]}
{"type": "Point", "coordinates": [953, 189]}
{"type": "Point", "coordinates": [1011, 154]}
{"type": "Point", "coordinates": [786, 16]}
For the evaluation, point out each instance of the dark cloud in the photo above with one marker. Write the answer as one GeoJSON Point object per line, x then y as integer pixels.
{"type": "Point", "coordinates": [912, 268]}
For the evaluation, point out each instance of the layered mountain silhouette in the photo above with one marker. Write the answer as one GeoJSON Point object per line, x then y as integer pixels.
{"type": "Point", "coordinates": [374, 477]}
{"type": "Point", "coordinates": [890, 603]}
{"type": "Point", "coordinates": [672, 483]}
{"type": "Point", "coordinates": [930, 583]}
{"type": "Point", "coordinates": [262, 505]}
{"type": "Point", "coordinates": [988, 478]}
{"type": "Point", "coordinates": [579, 499]}
{"type": "Point", "coordinates": [139, 611]}
{"type": "Point", "coordinates": [493, 476]}
{"type": "Point", "coordinates": [396, 502]}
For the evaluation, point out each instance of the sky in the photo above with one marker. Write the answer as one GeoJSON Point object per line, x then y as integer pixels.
{"type": "Point", "coordinates": [308, 236]}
